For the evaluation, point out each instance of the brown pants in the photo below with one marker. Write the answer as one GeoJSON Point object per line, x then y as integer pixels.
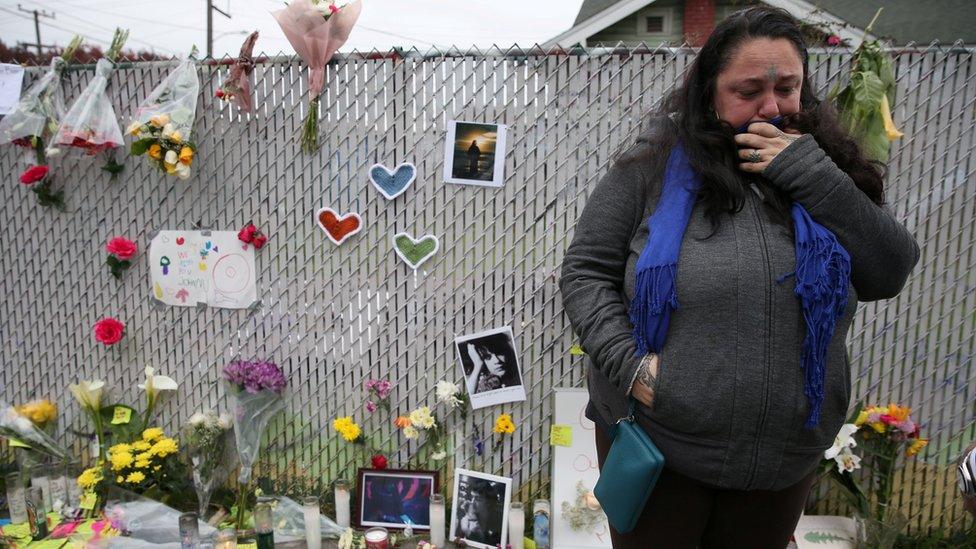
{"type": "Point", "coordinates": [683, 512]}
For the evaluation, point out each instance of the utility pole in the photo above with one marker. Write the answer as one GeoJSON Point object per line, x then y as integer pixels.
{"type": "Point", "coordinates": [210, 9]}
{"type": "Point", "coordinates": [37, 26]}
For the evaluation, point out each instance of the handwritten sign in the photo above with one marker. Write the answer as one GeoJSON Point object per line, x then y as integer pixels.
{"type": "Point", "coordinates": [121, 415]}
{"type": "Point", "coordinates": [561, 435]}
{"type": "Point", "coordinates": [189, 267]}
{"type": "Point", "coordinates": [11, 83]}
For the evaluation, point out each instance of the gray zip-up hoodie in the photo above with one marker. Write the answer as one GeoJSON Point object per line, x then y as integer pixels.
{"type": "Point", "coordinates": [728, 407]}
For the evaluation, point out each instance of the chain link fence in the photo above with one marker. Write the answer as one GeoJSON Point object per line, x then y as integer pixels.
{"type": "Point", "coordinates": [333, 316]}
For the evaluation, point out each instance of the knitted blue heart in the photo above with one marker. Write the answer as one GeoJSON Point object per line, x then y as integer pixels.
{"type": "Point", "coordinates": [392, 184]}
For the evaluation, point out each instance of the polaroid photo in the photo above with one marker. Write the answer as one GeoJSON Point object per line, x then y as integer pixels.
{"type": "Point", "coordinates": [480, 512]}
{"type": "Point", "coordinates": [474, 153]}
{"type": "Point", "coordinates": [490, 367]}
{"type": "Point", "coordinates": [395, 499]}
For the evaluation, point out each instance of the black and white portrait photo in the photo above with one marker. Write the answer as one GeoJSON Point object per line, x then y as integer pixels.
{"type": "Point", "coordinates": [474, 153]}
{"type": "Point", "coordinates": [490, 367]}
{"type": "Point", "coordinates": [480, 513]}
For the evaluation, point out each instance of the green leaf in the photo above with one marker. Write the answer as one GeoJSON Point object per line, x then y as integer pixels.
{"type": "Point", "coordinates": [112, 261]}
{"type": "Point", "coordinates": [141, 146]}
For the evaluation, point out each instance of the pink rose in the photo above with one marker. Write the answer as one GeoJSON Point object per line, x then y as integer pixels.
{"type": "Point", "coordinates": [109, 331]}
{"type": "Point", "coordinates": [833, 40]}
{"type": "Point", "coordinates": [121, 248]}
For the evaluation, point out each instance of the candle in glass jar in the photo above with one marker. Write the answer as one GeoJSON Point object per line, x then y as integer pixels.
{"type": "Point", "coordinates": [342, 503]}
{"type": "Point", "coordinates": [516, 525]}
{"type": "Point", "coordinates": [16, 498]}
{"type": "Point", "coordinates": [437, 521]}
{"type": "Point", "coordinates": [226, 539]}
{"type": "Point", "coordinates": [377, 538]}
{"type": "Point", "coordinates": [40, 479]}
{"type": "Point", "coordinates": [313, 528]}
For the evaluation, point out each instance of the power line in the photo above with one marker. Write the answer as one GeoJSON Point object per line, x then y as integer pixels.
{"type": "Point", "coordinates": [37, 26]}
{"type": "Point", "coordinates": [53, 26]}
{"type": "Point", "coordinates": [100, 27]}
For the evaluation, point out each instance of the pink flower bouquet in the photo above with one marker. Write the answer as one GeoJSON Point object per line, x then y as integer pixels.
{"type": "Point", "coordinates": [236, 88]}
{"type": "Point", "coordinates": [316, 29]}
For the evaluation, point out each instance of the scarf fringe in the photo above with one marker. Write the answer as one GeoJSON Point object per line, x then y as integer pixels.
{"type": "Point", "coordinates": [822, 273]}
{"type": "Point", "coordinates": [655, 287]}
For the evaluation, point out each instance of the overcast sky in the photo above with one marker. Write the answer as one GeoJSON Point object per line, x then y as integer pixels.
{"type": "Point", "coordinates": [173, 26]}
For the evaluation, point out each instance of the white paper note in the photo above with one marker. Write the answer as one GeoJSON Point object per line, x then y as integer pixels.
{"type": "Point", "coordinates": [11, 82]}
{"type": "Point", "coordinates": [189, 267]}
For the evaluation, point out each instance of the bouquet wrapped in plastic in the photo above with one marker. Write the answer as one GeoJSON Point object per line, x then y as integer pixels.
{"type": "Point", "coordinates": [91, 125]}
{"type": "Point", "coordinates": [38, 112]}
{"type": "Point", "coordinates": [236, 88]}
{"type": "Point", "coordinates": [316, 29]}
{"type": "Point", "coordinates": [163, 122]}
{"type": "Point", "coordinates": [16, 427]}
{"type": "Point", "coordinates": [257, 390]}
{"type": "Point", "coordinates": [32, 123]}
{"type": "Point", "coordinates": [205, 438]}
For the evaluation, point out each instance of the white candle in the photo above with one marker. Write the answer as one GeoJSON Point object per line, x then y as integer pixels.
{"type": "Point", "coordinates": [437, 521]}
{"type": "Point", "coordinates": [516, 525]}
{"type": "Point", "coordinates": [342, 503]}
{"type": "Point", "coordinates": [313, 528]}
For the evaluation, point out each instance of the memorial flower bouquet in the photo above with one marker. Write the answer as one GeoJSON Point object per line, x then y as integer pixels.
{"type": "Point", "coordinates": [883, 436]}
{"type": "Point", "coordinates": [164, 122]}
{"type": "Point", "coordinates": [32, 123]}
{"type": "Point", "coordinates": [316, 29]}
{"type": "Point", "coordinates": [205, 439]}
{"type": "Point", "coordinates": [236, 88]}
{"type": "Point", "coordinates": [91, 125]}
{"type": "Point", "coordinates": [20, 430]}
{"type": "Point", "coordinates": [257, 393]}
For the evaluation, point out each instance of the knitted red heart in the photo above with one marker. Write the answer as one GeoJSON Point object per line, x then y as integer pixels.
{"type": "Point", "coordinates": [338, 228]}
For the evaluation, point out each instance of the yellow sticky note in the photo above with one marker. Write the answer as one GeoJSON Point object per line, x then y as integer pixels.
{"type": "Point", "coordinates": [88, 500]}
{"type": "Point", "coordinates": [121, 415]}
{"type": "Point", "coordinates": [561, 435]}
{"type": "Point", "coordinates": [576, 350]}
{"type": "Point", "coordinates": [14, 443]}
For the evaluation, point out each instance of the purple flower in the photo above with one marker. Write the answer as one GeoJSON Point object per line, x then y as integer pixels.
{"type": "Point", "coordinates": [479, 445]}
{"type": "Point", "coordinates": [370, 383]}
{"type": "Point", "coordinates": [370, 406]}
{"type": "Point", "coordinates": [383, 388]}
{"type": "Point", "coordinates": [254, 377]}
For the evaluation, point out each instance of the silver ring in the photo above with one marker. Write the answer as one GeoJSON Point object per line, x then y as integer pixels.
{"type": "Point", "coordinates": [754, 157]}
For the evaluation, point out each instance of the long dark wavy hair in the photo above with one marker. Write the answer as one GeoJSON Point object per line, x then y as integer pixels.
{"type": "Point", "coordinates": [709, 141]}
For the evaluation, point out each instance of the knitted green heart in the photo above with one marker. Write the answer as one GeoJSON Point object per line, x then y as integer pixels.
{"type": "Point", "coordinates": [413, 251]}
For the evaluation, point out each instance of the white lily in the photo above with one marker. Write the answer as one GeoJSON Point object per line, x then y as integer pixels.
{"type": "Point", "coordinates": [843, 440]}
{"type": "Point", "coordinates": [153, 386]}
{"type": "Point", "coordinates": [847, 461]}
{"type": "Point", "coordinates": [88, 394]}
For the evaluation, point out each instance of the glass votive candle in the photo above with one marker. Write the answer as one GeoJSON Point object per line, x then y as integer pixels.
{"type": "Point", "coordinates": [74, 470]}
{"type": "Point", "coordinates": [264, 525]}
{"type": "Point", "coordinates": [226, 539]}
{"type": "Point", "coordinates": [16, 498]}
{"type": "Point", "coordinates": [516, 525]}
{"type": "Point", "coordinates": [189, 531]}
{"type": "Point", "coordinates": [377, 538]}
{"type": "Point", "coordinates": [342, 503]}
{"type": "Point", "coordinates": [438, 522]}
{"type": "Point", "coordinates": [313, 527]}
{"type": "Point", "coordinates": [39, 478]}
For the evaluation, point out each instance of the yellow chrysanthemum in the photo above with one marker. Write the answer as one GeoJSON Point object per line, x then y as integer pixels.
{"type": "Point", "coordinates": [119, 479]}
{"type": "Point", "coordinates": [89, 477]}
{"type": "Point", "coordinates": [141, 446]}
{"type": "Point", "coordinates": [142, 463]}
{"type": "Point", "coordinates": [504, 425]}
{"type": "Point", "coordinates": [121, 447]}
{"type": "Point", "coordinates": [164, 447]}
{"type": "Point", "coordinates": [152, 434]}
{"type": "Point", "coordinates": [916, 447]}
{"type": "Point", "coordinates": [135, 477]}
{"type": "Point", "coordinates": [862, 418]}
{"type": "Point", "coordinates": [186, 155]}
{"type": "Point", "coordinates": [120, 460]}
{"type": "Point", "coordinates": [421, 417]}
{"type": "Point", "coordinates": [346, 427]}
{"type": "Point", "coordinates": [145, 456]}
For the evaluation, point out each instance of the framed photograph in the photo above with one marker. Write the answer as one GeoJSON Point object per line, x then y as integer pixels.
{"type": "Point", "coordinates": [395, 498]}
{"type": "Point", "coordinates": [474, 153]}
{"type": "Point", "coordinates": [490, 366]}
{"type": "Point", "coordinates": [480, 512]}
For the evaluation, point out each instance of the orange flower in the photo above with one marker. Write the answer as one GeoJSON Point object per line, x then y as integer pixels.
{"type": "Point", "coordinates": [186, 155]}
{"type": "Point", "coordinates": [899, 413]}
{"type": "Point", "coordinates": [155, 151]}
{"type": "Point", "coordinates": [401, 421]}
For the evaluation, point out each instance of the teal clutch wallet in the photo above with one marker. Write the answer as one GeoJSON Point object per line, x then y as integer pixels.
{"type": "Point", "coordinates": [629, 474]}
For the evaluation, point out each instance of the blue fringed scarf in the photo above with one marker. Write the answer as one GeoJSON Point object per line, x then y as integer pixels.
{"type": "Point", "coordinates": [823, 269]}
